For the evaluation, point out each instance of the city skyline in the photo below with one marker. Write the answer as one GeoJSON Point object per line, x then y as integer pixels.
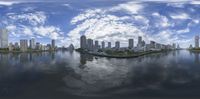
{"type": "Point", "coordinates": [66, 21]}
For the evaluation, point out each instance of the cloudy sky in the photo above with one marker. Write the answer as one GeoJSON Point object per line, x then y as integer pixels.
{"type": "Point", "coordinates": [109, 20]}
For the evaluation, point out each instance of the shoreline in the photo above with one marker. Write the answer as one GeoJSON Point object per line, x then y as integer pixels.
{"type": "Point", "coordinates": [127, 56]}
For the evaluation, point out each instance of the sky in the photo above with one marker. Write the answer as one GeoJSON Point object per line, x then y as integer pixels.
{"type": "Point", "coordinates": [163, 21]}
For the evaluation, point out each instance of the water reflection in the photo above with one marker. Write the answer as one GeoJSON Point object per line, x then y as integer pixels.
{"type": "Point", "coordinates": [71, 73]}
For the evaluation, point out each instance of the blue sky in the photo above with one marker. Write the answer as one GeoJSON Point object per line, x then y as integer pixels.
{"type": "Point", "coordinates": [167, 22]}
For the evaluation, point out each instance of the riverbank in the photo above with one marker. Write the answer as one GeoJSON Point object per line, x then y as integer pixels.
{"type": "Point", "coordinates": [194, 50]}
{"type": "Point", "coordinates": [123, 56]}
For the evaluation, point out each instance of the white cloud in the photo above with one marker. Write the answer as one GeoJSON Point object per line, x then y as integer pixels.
{"type": "Point", "coordinates": [86, 15]}
{"type": "Point", "coordinates": [183, 31]}
{"type": "Point", "coordinates": [195, 2]}
{"type": "Point", "coordinates": [162, 21]}
{"type": "Point", "coordinates": [8, 3]}
{"type": "Point", "coordinates": [27, 31]}
{"type": "Point", "coordinates": [180, 16]}
{"type": "Point", "coordinates": [48, 31]}
{"type": "Point", "coordinates": [130, 7]}
{"type": "Point", "coordinates": [35, 18]}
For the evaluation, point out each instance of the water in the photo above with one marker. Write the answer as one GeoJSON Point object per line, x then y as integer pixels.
{"type": "Point", "coordinates": [62, 75]}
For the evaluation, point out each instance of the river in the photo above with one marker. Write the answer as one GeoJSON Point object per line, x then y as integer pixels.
{"type": "Point", "coordinates": [63, 75]}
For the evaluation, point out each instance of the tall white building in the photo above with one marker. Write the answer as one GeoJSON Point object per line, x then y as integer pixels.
{"type": "Point", "coordinates": [23, 45]}
{"type": "Point", "coordinates": [130, 43]}
{"type": "Point", "coordinates": [103, 45]}
{"type": "Point", "coordinates": [117, 44]}
{"type": "Point", "coordinates": [32, 43]}
{"type": "Point", "coordinates": [3, 38]}
{"type": "Point", "coordinates": [139, 41]}
{"type": "Point", "coordinates": [83, 42]}
{"type": "Point", "coordinates": [197, 41]}
{"type": "Point", "coordinates": [53, 44]}
{"type": "Point", "coordinates": [96, 45]}
{"type": "Point", "coordinates": [90, 44]}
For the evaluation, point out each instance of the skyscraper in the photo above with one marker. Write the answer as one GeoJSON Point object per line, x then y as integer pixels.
{"type": "Point", "coordinates": [139, 41]}
{"type": "Point", "coordinates": [102, 44]}
{"type": "Point", "coordinates": [117, 44]}
{"type": "Point", "coordinates": [130, 43]}
{"type": "Point", "coordinates": [53, 44]}
{"type": "Point", "coordinates": [152, 44]}
{"type": "Point", "coordinates": [197, 41]}
{"type": "Point", "coordinates": [109, 44]}
{"type": "Point", "coordinates": [96, 45]}
{"type": "Point", "coordinates": [23, 45]}
{"type": "Point", "coordinates": [83, 42]}
{"type": "Point", "coordinates": [3, 38]}
{"type": "Point", "coordinates": [32, 43]}
{"type": "Point", "coordinates": [90, 44]}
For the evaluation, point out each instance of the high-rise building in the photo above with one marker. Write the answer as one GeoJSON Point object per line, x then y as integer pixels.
{"type": "Point", "coordinates": [174, 46]}
{"type": "Point", "coordinates": [130, 43]}
{"type": "Point", "coordinates": [96, 45]}
{"type": "Point", "coordinates": [83, 42]}
{"type": "Point", "coordinates": [109, 44]}
{"type": "Point", "coordinates": [3, 38]}
{"type": "Point", "coordinates": [23, 45]}
{"type": "Point", "coordinates": [16, 46]}
{"type": "Point", "coordinates": [32, 43]}
{"type": "Point", "coordinates": [197, 41]}
{"type": "Point", "coordinates": [53, 44]}
{"type": "Point", "coordinates": [10, 47]}
{"type": "Point", "coordinates": [37, 46]}
{"type": "Point", "coordinates": [152, 44]}
{"type": "Point", "coordinates": [117, 44]}
{"type": "Point", "coordinates": [103, 45]}
{"type": "Point", "coordinates": [139, 41]}
{"type": "Point", "coordinates": [90, 44]}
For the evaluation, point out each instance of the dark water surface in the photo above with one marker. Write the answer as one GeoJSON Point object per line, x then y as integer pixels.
{"type": "Point", "coordinates": [70, 75]}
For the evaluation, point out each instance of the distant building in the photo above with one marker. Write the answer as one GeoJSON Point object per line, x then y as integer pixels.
{"type": "Point", "coordinates": [178, 46]}
{"type": "Point", "coordinates": [103, 45]}
{"type": "Point", "coordinates": [11, 47]}
{"type": "Point", "coordinates": [190, 46]}
{"type": "Point", "coordinates": [109, 45]}
{"type": "Point", "coordinates": [83, 42]}
{"type": "Point", "coordinates": [71, 47]}
{"type": "Point", "coordinates": [48, 47]}
{"type": "Point", "coordinates": [3, 38]}
{"type": "Point", "coordinates": [96, 45]}
{"type": "Point", "coordinates": [158, 46]}
{"type": "Point", "coordinates": [173, 46]}
{"type": "Point", "coordinates": [139, 41]}
{"type": "Point", "coordinates": [32, 43]}
{"type": "Point", "coordinates": [130, 43]}
{"type": "Point", "coordinates": [37, 47]}
{"type": "Point", "coordinates": [143, 43]}
{"type": "Point", "coordinates": [53, 44]}
{"type": "Point", "coordinates": [16, 46]}
{"type": "Point", "coordinates": [23, 45]}
{"type": "Point", "coordinates": [197, 41]}
{"type": "Point", "coordinates": [90, 44]}
{"type": "Point", "coordinates": [152, 44]}
{"type": "Point", "coordinates": [117, 44]}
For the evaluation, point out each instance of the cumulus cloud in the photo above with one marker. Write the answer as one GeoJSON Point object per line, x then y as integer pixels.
{"type": "Point", "coordinates": [161, 21]}
{"type": "Point", "coordinates": [48, 31]}
{"type": "Point", "coordinates": [35, 18]}
{"type": "Point", "coordinates": [130, 7]}
{"type": "Point", "coordinates": [31, 24]}
{"type": "Point", "coordinates": [180, 16]}
{"type": "Point", "coordinates": [183, 31]}
{"type": "Point", "coordinates": [8, 3]}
